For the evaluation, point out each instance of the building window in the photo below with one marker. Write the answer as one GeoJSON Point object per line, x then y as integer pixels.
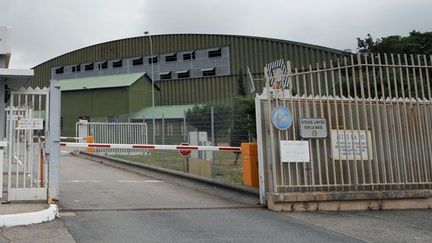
{"type": "Point", "coordinates": [76, 68]}
{"type": "Point", "coordinates": [171, 58]}
{"type": "Point", "coordinates": [89, 67]}
{"type": "Point", "coordinates": [117, 64]}
{"type": "Point", "coordinates": [153, 60]}
{"type": "Point", "coordinates": [208, 72]}
{"type": "Point", "coordinates": [166, 75]}
{"type": "Point", "coordinates": [215, 53]}
{"type": "Point", "coordinates": [157, 128]}
{"type": "Point", "coordinates": [138, 61]}
{"type": "Point", "coordinates": [183, 129]}
{"type": "Point", "coordinates": [189, 56]}
{"type": "Point", "coordinates": [170, 129]}
{"type": "Point", "coordinates": [59, 70]}
{"type": "Point", "coordinates": [183, 74]}
{"type": "Point", "coordinates": [103, 65]}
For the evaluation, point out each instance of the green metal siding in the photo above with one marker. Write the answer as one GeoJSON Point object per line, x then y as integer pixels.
{"type": "Point", "coordinates": [140, 95]}
{"type": "Point", "coordinates": [254, 52]}
{"type": "Point", "coordinates": [92, 103]}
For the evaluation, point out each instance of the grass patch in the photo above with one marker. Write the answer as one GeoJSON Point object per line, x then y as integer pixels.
{"type": "Point", "coordinates": [228, 165]}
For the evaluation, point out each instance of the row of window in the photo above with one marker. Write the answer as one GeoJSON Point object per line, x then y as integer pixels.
{"type": "Point", "coordinates": [140, 61]}
{"type": "Point", "coordinates": [186, 74]}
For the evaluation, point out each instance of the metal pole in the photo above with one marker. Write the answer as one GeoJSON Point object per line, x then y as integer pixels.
{"type": "Point", "coordinates": [184, 127]}
{"type": "Point", "coordinates": [213, 143]}
{"type": "Point", "coordinates": [54, 141]}
{"type": "Point", "coordinates": [152, 77]}
{"type": "Point", "coordinates": [163, 128]}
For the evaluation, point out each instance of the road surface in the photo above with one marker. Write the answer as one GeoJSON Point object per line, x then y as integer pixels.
{"type": "Point", "coordinates": [104, 204]}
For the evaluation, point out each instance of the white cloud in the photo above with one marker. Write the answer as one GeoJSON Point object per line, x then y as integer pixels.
{"type": "Point", "coordinates": [44, 29]}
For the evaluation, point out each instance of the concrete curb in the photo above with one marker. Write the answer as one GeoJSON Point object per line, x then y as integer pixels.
{"type": "Point", "coordinates": [250, 191]}
{"type": "Point", "coordinates": [19, 219]}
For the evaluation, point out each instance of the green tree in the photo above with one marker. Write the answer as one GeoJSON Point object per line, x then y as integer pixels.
{"type": "Point", "coordinates": [415, 43]}
{"type": "Point", "coordinates": [241, 90]}
{"type": "Point", "coordinates": [200, 117]}
{"type": "Point", "coordinates": [244, 127]}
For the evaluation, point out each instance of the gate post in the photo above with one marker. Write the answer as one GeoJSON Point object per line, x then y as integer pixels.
{"type": "Point", "coordinates": [53, 145]}
{"type": "Point", "coordinates": [260, 150]}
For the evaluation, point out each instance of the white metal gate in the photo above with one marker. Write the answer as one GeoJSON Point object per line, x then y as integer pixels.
{"type": "Point", "coordinates": [378, 113]}
{"type": "Point", "coordinates": [26, 166]}
{"type": "Point", "coordinates": [114, 133]}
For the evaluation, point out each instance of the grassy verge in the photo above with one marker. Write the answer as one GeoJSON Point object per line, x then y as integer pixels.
{"type": "Point", "coordinates": [228, 166]}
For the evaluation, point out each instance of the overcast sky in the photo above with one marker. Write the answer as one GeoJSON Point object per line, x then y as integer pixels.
{"type": "Point", "coordinates": [44, 29]}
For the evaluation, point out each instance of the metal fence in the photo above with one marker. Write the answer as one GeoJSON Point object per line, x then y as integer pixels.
{"type": "Point", "coordinates": [27, 167]}
{"type": "Point", "coordinates": [114, 133]}
{"type": "Point", "coordinates": [378, 114]}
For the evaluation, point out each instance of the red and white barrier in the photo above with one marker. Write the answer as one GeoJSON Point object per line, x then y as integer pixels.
{"type": "Point", "coordinates": [151, 147]}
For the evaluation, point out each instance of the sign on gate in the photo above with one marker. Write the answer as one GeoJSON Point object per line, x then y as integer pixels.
{"type": "Point", "coordinates": [351, 144]}
{"type": "Point", "coordinates": [278, 74]}
{"type": "Point", "coordinates": [294, 151]}
{"type": "Point", "coordinates": [30, 124]}
{"type": "Point", "coordinates": [185, 152]}
{"type": "Point", "coordinates": [313, 127]}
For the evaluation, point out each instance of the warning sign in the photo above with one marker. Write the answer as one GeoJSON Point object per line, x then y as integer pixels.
{"type": "Point", "coordinates": [351, 144]}
{"type": "Point", "coordinates": [30, 124]}
{"type": "Point", "coordinates": [294, 151]}
{"type": "Point", "coordinates": [313, 127]}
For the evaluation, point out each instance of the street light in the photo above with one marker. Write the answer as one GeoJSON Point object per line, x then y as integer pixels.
{"type": "Point", "coordinates": [152, 77]}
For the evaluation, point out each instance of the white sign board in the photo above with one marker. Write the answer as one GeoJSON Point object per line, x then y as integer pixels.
{"type": "Point", "coordinates": [313, 127]}
{"type": "Point", "coordinates": [30, 124]}
{"type": "Point", "coordinates": [294, 151]}
{"type": "Point", "coordinates": [351, 144]}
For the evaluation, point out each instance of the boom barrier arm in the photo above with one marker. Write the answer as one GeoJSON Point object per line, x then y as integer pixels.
{"type": "Point", "coordinates": [151, 147]}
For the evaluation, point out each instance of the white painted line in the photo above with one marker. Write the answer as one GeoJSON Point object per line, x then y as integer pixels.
{"type": "Point", "coordinates": [139, 181]}
{"type": "Point", "coordinates": [82, 181]}
{"type": "Point", "coordinates": [45, 215]}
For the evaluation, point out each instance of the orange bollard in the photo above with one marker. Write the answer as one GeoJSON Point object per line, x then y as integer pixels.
{"type": "Point", "coordinates": [90, 139]}
{"type": "Point", "coordinates": [249, 152]}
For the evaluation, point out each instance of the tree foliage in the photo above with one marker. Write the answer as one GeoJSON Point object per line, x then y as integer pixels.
{"type": "Point", "coordinates": [241, 90]}
{"type": "Point", "coordinates": [244, 128]}
{"type": "Point", "coordinates": [200, 117]}
{"type": "Point", "coordinates": [415, 43]}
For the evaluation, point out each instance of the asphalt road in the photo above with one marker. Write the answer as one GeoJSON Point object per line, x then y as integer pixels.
{"type": "Point", "coordinates": [104, 204]}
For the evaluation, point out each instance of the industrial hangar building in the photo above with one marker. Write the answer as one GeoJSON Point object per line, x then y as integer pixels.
{"type": "Point", "coordinates": [112, 80]}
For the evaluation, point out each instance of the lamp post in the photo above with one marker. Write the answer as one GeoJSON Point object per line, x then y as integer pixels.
{"type": "Point", "coordinates": [152, 77]}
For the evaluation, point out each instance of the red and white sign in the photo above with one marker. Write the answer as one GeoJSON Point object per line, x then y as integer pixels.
{"type": "Point", "coordinates": [184, 152]}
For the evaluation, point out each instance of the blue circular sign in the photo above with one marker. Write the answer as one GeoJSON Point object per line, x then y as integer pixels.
{"type": "Point", "coordinates": [281, 118]}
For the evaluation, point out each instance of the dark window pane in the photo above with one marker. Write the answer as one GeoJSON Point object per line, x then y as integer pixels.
{"type": "Point", "coordinates": [89, 67]}
{"type": "Point", "coordinates": [59, 70]}
{"type": "Point", "coordinates": [165, 76]}
{"type": "Point", "coordinates": [211, 72]}
{"type": "Point", "coordinates": [189, 56]}
{"type": "Point", "coordinates": [215, 53]}
{"type": "Point", "coordinates": [103, 65]}
{"type": "Point", "coordinates": [138, 61]}
{"type": "Point", "coordinates": [171, 58]}
{"type": "Point", "coordinates": [118, 64]}
{"type": "Point", "coordinates": [183, 74]}
{"type": "Point", "coordinates": [76, 68]}
{"type": "Point", "coordinates": [153, 60]}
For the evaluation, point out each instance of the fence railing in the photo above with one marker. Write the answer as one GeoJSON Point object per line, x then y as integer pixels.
{"type": "Point", "coordinates": [378, 113]}
{"type": "Point", "coordinates": [114, 133]}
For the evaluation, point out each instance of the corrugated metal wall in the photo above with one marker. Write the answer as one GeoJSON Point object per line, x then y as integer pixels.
{"type": "Point", "coordinates": [254, 52]}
